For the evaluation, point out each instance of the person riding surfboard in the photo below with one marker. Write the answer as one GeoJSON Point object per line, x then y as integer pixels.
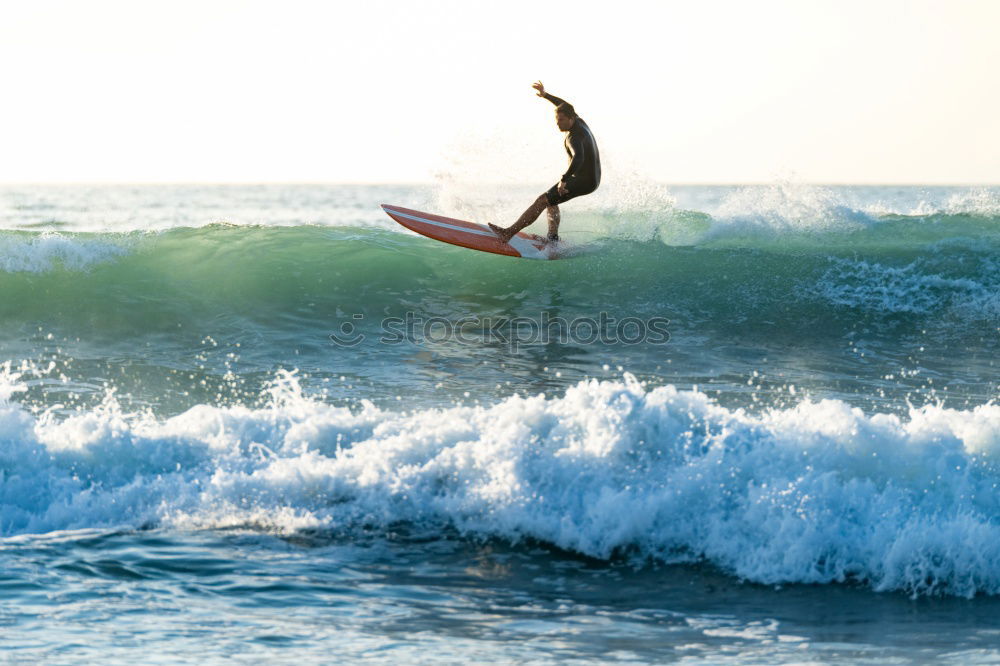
{"type": "Point", "coordinates": [582, 177]}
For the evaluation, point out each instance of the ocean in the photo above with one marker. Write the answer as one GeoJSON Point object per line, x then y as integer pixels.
{"type": "Point", "coordinates": [265, 423]}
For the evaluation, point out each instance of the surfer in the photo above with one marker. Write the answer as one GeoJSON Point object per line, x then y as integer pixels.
{"type": "Point", "coordinates": [582, 177]}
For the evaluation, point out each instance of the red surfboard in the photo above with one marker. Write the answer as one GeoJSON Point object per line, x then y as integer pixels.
{"type": "Point", "coordinates": [470, 235]}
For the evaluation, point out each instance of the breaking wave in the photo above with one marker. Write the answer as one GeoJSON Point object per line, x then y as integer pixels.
{"type": "Point", "coordinates": [815, 493]}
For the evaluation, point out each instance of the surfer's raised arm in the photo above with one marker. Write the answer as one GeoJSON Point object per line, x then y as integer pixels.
{"type": "Point", "coordinates": [537, 85]}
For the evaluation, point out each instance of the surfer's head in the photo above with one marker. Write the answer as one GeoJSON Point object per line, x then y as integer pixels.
{"type": "Point", "coordinates": [565, 116]}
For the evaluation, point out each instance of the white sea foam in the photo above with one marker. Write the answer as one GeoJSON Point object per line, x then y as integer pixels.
{"type": "Point", "coordinates": [974, 201]}
{"type": "Point", "coordinates": [48, 250]}
{"type": "Point", "coordinates": [923, 286]}
{"type": "Point", "coordinates": [816, 493]}
{"type": "Point", "coordinates": [786, 207]}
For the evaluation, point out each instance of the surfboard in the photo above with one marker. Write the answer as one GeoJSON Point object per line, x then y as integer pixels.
{"type": "Point", "coordinates": [470, 234]}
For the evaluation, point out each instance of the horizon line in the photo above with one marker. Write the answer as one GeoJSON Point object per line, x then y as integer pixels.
{"type": "Point", "coordinates": [425, 183]}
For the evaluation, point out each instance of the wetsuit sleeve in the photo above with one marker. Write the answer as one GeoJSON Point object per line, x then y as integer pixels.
{"type": "Point", "coordinates": [555, 100]}
{"type": "Point", "coordinates": [579, 146]}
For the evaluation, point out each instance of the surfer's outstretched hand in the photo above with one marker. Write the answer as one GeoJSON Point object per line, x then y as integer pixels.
{"type": "Point", "coordinates": [537, 85]}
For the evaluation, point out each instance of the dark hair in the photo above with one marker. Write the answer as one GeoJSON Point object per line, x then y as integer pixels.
{"type": "Point", "coordinates": [566, 109]}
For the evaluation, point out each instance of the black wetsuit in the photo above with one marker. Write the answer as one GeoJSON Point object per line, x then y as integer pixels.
{"type": "Point", "coordinates": [584, 172]}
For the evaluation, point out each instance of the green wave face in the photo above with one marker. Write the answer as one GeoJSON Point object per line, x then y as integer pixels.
{"type": "Point", "coordinates": [272, 296]}
{"type": "Point", "coordinates": [283, 276]}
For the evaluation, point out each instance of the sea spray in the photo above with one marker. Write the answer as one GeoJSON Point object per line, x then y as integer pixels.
{"type": "Point", "coordinates": [814, 493]}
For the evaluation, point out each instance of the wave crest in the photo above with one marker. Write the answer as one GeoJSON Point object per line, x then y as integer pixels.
{"type": "Point", "coordinates": [49, 250]}
{"type": "Point", "coordinates": [817, 493]}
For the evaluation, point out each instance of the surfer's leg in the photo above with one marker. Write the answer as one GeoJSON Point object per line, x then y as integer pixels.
{"type": "Point", "coordinates": [527, 217]}
{"type": "Point", "coordinates": [553, 215]}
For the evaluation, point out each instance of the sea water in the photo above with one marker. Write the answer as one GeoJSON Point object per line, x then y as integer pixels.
{"type": "Point", "coordinates": [266, 423]}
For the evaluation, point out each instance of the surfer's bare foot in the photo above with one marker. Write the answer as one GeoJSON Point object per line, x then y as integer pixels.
{"type": "Point", "coordinates": [503, 234]}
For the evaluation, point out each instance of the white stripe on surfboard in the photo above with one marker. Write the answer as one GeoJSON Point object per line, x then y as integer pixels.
{"type": "Point", "coordinates": [480, 232]}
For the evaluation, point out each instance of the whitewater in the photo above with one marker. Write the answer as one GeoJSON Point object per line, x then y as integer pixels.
{"type": "Point", "coordinates": [805, 469]}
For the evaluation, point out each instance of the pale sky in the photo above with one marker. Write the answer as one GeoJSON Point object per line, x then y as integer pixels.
{"type": "Point", "coordinates": [876, 91]}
